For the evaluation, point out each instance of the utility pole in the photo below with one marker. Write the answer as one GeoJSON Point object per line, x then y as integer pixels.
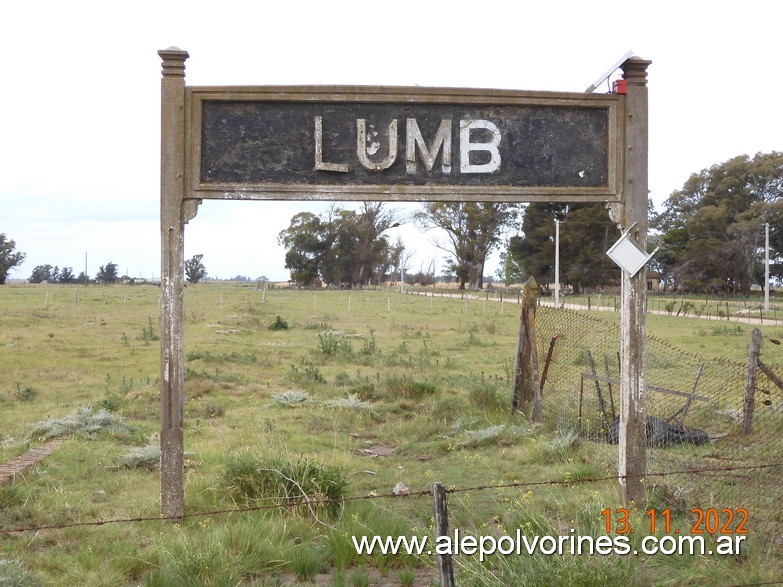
{"type": "Point", "coordinates": [766, 267]}
{"type": "Point", "coordinates": [557, 263]}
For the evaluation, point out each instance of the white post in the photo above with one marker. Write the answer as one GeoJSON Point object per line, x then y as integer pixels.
{"type": "Point", "coordinates": [632, 435]}
{"type": "Point", "coordinates": [766, 267]}
{"type": "Point", "coordinates": [557, 263]}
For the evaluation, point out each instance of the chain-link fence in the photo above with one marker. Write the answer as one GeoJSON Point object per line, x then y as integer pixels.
{"type": "Point", "coordinates": [696, 409]}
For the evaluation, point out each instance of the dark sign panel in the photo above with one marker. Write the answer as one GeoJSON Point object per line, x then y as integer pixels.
{"type": "Point", "coordinates": [416, 148]}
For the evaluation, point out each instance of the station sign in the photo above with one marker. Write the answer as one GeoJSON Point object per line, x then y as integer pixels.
{"type": "Point", "coordinates": [401, 144]}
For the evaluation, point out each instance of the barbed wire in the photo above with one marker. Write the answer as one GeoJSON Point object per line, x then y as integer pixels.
{"type": "Point", "coordinates": [373, 496]}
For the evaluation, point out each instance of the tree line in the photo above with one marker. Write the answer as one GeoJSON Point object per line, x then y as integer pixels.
{"type": "Point", "coordinates": [107, 273]}
{"type": "Point", "coordinates": [346, 248]}
{"type": "Point", "coordinates": [711, 234]}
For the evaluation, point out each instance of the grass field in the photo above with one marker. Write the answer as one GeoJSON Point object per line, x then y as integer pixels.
{"type": "Point", "coordinates": [328, 394]}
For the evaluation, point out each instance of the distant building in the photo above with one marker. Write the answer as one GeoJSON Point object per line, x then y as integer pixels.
{"type": "Point", "coordinates": [653, 282]}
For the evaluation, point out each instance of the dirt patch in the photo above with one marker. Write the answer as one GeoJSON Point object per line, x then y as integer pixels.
{"type": "Point", "coordinates": [379, 450]}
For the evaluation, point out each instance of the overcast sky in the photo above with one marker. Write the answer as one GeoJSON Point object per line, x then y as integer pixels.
{"type": "Point", "coordinates": [80, 99]}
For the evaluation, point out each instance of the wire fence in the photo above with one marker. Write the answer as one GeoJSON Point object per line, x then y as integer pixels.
{"type": "Point", "coordinates": [697, 417]}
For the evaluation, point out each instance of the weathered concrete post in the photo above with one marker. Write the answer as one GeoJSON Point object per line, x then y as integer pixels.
{"type": "Point", "coordinates": [749, 403]}
{"type": "Point", "coordinates": [172, 228]}
{"type": "Point", "coordinates": [633, 441]}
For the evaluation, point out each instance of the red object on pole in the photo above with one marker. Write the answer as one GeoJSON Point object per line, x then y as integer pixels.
{"type": "Point", "coordinates": [620, 86]}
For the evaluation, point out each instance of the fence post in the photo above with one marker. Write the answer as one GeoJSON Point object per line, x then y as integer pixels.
{"type": "Point", "coordinates": [174, 213]}
{"type": "Point", "coordinates": [441, 515]}
{"type": "Point", "coordinates": [632, 434]}
{"type": "Point", "coordinates": [750, 387]}
{"type": "Point", "coordinates": [525, 385]}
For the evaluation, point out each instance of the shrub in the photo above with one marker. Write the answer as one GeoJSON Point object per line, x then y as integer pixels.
{"type": "Point", "coordinates": [26, 394]}
{"type": "Point", "coordinates": [142, 457]}
{"type": "Point", "coordinates": [213, 410]}
{"type": "Point", "coordinates": [291, 398]}
{"type": "Point", "coordinates": [369, 349]}
{"type": "Point", "coordinates": [83, 423]}
{"type": "Point", "coordinates": [304, 485]}
{"type": "Point", "coordinates": [331, 345]}
{"type": "Point", "coordinates": [308, 375]}
{"type": "Point", "coordinates": [486, 395]}
{"type": "Point", "coordinates": [350, 402]}
{"type": "Point", "coordinates": [365, 391]}
{"type": "Point", "coordinates": [278, 324]}
{"type": "Point", "coordinates": [500, 434]}
{"type": "Point", "coordinates": [13, 574]}
{"type": "Point", "coordinates": [406, 387]}
{"type": "Point", "coordinates": [148, 333]}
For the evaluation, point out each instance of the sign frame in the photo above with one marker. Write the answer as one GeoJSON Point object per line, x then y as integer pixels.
{"type": "Point", "coordinates": [195, 96]}
{"type": "Point", "coordinates": [626, 197]}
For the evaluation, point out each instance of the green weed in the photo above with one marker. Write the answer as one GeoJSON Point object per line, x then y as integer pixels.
{"type": "Point", "coordinates": [404, 386]}
{"type": "Point", "coordinates": [332, 345]}
{"type": "Point", "coordinates": [279, 324]}
{"type": "Point", "coordinates": [308, 374]}
{"type": "Point", "coordinates": [303, 485]}
{"type": "Point", "coordinates": [148, 333]}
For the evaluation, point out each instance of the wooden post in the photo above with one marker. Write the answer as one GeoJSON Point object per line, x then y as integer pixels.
{"type": "Point", "coordinates": [526, 387]}
{"type": "Point", "coordinates": [599, 393]}
{"type": "Point", "coordinates": [441, 517]}
{"type": "Point", "coordinates": [609, 385]}
{"type": "Point", "coordinates": [632, 437]}
{"type": "Point", "coordinates": [750, 387]}
{"type": "Point", "coordinates": [172, 226]}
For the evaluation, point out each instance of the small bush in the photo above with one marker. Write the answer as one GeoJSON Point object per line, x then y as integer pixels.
{"type": "Point", "coordinates": [449, 409]}
{"type": "Point", "coordinates": [11, 495]}
{"type": "Point", "coordinates": [26, 394]}
{"type": "Point", "coordinates": [307, 375]}
{"type": "Point", "coordinates": [148, 333]}
{"type": "Point", "coordinates": [83, 423]}
{"type": "Point", "coordinates": [406, 387]}
{"type": "Point", "coordinates": [212, 410]}
{"type": "Point", "coordinates": [369, 349]}
{"type": "Point", "coordinates": [143, 457]}
{"type": "Point", "coordinates": [279, 324]}
{"type": "Point", "coordinates": [331, 345]}
{"type": "Point", "coordinates": [365, 391]}
{"type": "Point", "coordinates": [350, 402]}
{"type": "Point", "coordinates": [13, 574]}
{"type": "Point", "coordinates": [500, 434]}
{"type": "Point", "coordinates": [487, 396]}
{"type": "Point", "coordinates": [291, 398]}
{"type": "Point", "coordinates": [306, 561]}
{"type": "Point", "coordinates": [304, 485]}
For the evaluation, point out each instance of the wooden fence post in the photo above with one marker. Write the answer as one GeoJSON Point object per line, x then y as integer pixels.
{"type": "Point", "coordinates": [525, 385]}
{"type": "Point", "coordinates": [441, 515]}
{"type": "Point", "coordinates": [750, 387]}
{"type": "Point", "coordinates": [632, 434]}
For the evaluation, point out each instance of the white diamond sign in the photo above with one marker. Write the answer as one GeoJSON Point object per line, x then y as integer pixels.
{"type": "Point", "coordinates": [627, 255]}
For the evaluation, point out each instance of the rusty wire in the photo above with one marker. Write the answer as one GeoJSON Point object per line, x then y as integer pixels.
{"type": "Point", "coordinates": [415, 494]}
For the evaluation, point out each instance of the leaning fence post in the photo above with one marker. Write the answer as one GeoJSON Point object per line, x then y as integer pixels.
{"type": "Point", "coordinates": [750, 387]}
{"type": "Point", "coordinates": [441, 515]}
{"type": "Point", "coordinates": [525, 384]}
